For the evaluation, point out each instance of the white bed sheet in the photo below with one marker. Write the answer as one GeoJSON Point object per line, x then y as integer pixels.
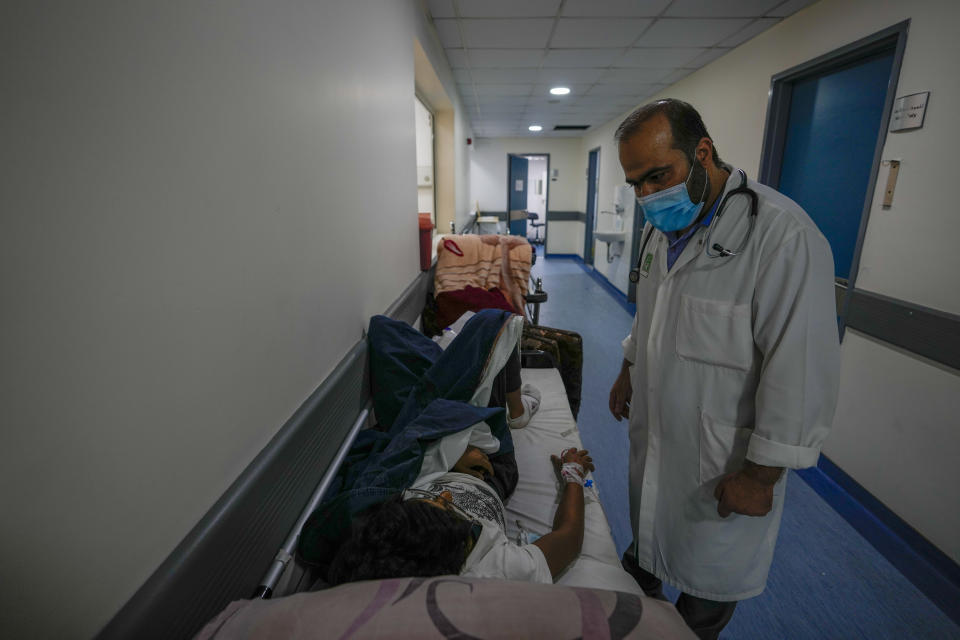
{"type": "Point", "coordinates": [551, 430]}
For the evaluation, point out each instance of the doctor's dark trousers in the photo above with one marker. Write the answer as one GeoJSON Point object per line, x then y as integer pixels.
{"type": "Point", "coordinates": [706, 618]}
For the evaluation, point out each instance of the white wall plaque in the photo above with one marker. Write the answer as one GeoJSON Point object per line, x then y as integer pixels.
{"type": "Point", "coordinates": [908, 111]}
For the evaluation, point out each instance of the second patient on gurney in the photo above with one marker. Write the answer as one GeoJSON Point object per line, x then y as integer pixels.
{"type": "Point", "coordinates": [426, 496]}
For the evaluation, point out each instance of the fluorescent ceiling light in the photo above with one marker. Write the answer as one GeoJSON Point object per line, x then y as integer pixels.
{"type": "Point", "coordinates": [535, 127]}
{"type": "Point", "coordinates": [560, 91]}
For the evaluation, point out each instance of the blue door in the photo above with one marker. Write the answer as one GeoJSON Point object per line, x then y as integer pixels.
{"type": "Point", "coordinates": [593, 170]}
{"type": "Point", "coordinates": [518, 194]}
{"type": "Point", "coordinates": [829, 149]}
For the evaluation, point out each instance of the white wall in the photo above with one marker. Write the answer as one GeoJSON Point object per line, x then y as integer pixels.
{"type": "Point", "coordinates": [617, 270]}
{"type": "Point", "coordinates": [896, 426]}
{"type": "Point", "coordinates": [488, 171]}
{"type": "Point", "coordinates": [564, 237]}
{"type": "Point", "coordinates": [191, 241]}
{"type": "Point", "coordinates": [488, 181]}
{"type": "Point", "coordinates": [537, 171]}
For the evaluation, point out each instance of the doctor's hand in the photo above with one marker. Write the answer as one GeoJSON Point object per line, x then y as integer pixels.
{"type": "Point", "coordinates": [620, 395]}
{"type": "Point", "coordinates": [741, 493]}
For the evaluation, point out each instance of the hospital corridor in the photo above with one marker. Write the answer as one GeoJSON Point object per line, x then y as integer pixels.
{"type": "Point", "coordinates": [479, 319]}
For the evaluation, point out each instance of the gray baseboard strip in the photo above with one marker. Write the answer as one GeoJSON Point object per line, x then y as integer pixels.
{"type": "Point", "coordinates": [558, 216]}
{"type": "Point", "coordinates": [927, 332]}
{"type": "Point", "coordinates": [409, 305]}
{"type": "Point", "coordinates": [566, 216]}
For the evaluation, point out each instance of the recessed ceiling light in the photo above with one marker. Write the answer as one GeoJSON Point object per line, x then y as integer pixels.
{"type": "Point", "coordinates": [535, 127]}
{"type": "Point", "coordinates": [560, 91]}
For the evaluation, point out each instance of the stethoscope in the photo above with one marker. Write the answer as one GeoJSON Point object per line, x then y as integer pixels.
{"type": "Point", "coordinates": [715, 250]}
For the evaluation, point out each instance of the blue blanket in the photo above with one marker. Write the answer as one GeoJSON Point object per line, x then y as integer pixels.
{"type": "Point", "coordinates": [421, 393]}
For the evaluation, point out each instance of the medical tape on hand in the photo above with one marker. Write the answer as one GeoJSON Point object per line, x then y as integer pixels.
{"type": "Point", "coordinates": [572, 472]}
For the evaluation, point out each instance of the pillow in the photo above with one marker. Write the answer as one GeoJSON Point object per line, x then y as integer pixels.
{"type": "Point", "coordinates": [450, 607]}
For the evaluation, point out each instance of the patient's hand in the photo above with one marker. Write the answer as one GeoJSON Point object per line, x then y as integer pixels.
{"type": "Point", "coordinates": [581, 457]}
{"type": "Point", "coordinates": [474, 462]}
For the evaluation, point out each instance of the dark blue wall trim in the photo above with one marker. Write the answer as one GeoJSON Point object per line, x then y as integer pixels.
{"type": "Point", "coordinates": [618, 295]}
{"type": "Point", "coordinates": [929, 569]}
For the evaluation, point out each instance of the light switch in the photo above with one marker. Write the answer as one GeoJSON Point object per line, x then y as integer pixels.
{"type": "Point", "coordinates": [891, 183]}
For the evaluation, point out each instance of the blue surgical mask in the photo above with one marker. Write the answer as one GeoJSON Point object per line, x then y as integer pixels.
{"type": "Point", "coordinates": [672, 209]}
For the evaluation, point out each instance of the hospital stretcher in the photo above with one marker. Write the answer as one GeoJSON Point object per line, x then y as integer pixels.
{"type": "Point", "coordinates": [531, 508]}
{"type": "Point", "coordinates": [530, 511]}
{"type": "Point", "coordinates": [594, 590]}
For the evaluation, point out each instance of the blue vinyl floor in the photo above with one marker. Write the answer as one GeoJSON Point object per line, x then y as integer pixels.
{"type": "Point", "coordinates": [826, 581]}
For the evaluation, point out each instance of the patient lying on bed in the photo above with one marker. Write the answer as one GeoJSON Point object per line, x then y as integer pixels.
{"type": "Point", "coordinates": [455, 524]}
{"type": "Point", "coordinates": [443, 428]}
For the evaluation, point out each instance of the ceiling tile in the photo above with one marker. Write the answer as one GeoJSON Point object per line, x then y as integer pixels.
{"type": "Point", "coordinates": [714, 9]}
{"type": "Point", "coordinates": [518, 33]}
{"type": "Point", "coordinates": [441, 8]}
{"type": "Point", "coordinates": [487, 100]}
{"type": "Point", "coordinates": [548, 116]}
{"type": "Point", "coordinates": [456, 57]}
{"type": "Point", "coordinates": [597, 32]}
{"type": "Point", "coordinates": [576, 88]}
{"type": "Point", "coordinates": [508, 8]}
{"type": "Point", "coordinates": [706, 58]}
{"type": "Point", "coordinates": [537, 106]}
{"type": "Point", "coordinates": [604, 101]}
{"type": "Point", "coordinates": [677, 76]}
{"type": "Point", "coordinates": [690, 32]}
{"type": "Point", "coordinates": [502, 89]}
{"type": "Point", "coordinates": [568, 77]}
{"type": "Point", "coordinates": [581, 57]}
{"type": "Point", "coordinates": [614, 8]}
{"type": "Point", "coordinates": [789, 7]}
{"type": "Point", "coordinates": [505, 58]}
{"type": "Point", "coordinates": [505, 76]}
{"type": "Point", "coordinates": [615, 55]}
{"type": "Point", "coordinates": [623, 89]}
{"type": "Point", "coordinates": [449, 32]}
{"type": "Point", "coordinates": [659, 57]}
{"type": "Point", "coordinates": [502, 114]}
{"type": "Point", "coordinates": [635, 76]}
{"type": "Point", "coordinates": [753, 29]}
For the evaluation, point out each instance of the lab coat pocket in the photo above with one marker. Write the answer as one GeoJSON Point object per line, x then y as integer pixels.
{"type": "Point", "coordinates": [715, 332]}
{"type": "Point", "coordinates": [723, 448]}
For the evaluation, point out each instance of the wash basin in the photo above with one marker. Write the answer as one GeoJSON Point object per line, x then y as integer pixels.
{"type": "Point", "coordinates": [610, 236]}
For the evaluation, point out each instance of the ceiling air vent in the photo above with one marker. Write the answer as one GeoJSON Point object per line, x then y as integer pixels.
{"type": "Point", "coordinates": [571, 127]}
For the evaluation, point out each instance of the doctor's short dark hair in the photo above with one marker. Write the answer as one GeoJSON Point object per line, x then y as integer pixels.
{"type": "Point", "coordinates": [686, 125]}
{"type": "Point", "coordinates": [400, 539]}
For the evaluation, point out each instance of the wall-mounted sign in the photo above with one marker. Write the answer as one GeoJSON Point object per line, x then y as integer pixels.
{"type": "Point", "coordinates": [908, 111]}
{"type": "Point", "coordinates": [518, 185]}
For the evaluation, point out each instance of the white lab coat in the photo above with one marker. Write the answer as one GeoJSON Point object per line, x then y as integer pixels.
{"type": "Point", "coordinates": [733, 358]}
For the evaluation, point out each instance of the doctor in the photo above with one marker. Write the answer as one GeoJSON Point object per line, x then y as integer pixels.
{"type": "Point", "coordinates": [730, 371]}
